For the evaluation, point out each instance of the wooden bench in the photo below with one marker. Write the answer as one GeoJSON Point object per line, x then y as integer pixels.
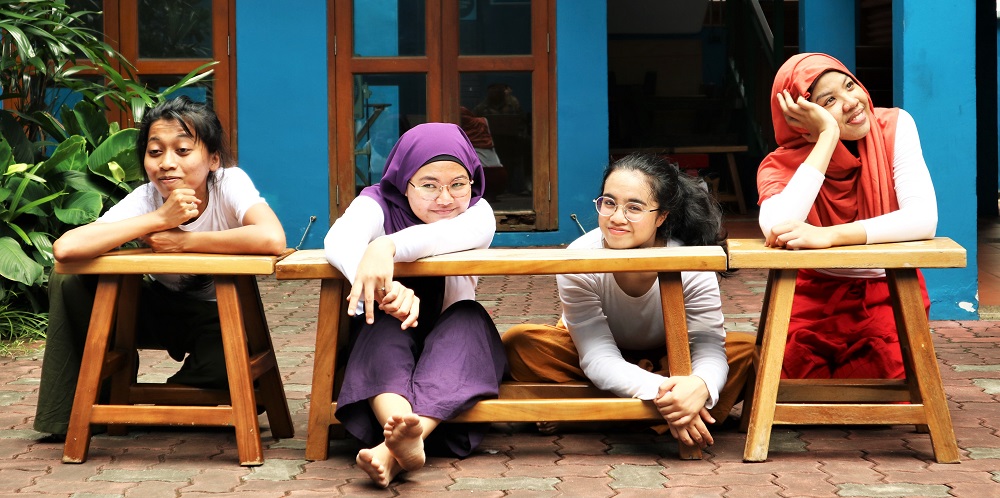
{"type": "Point", "coordinates": [919, 399]}
{"type": "Point", "coordinates": [246, 342]}
{"type": "Point", "coordinates": [518, 402]}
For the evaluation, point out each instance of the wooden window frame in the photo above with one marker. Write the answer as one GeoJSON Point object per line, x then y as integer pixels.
{"type": "Point", "coordinates": [443, 95]}
{"type": "Point", "coordinates": [121, 31]}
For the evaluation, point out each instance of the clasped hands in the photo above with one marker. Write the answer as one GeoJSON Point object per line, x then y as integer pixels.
{"type": "Point", "coordinates": [681, 399]}
{"type": "Point", "coordinates": [178, 208]}
{"type": "Point", "coordinates": [374, 284]}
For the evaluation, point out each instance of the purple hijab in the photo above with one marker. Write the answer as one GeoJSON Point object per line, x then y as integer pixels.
{"type": "Point", "coordinates": [412, 151]}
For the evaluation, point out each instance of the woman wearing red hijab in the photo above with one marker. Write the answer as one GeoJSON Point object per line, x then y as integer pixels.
{"type": "Point", "coordinates": [844, 173]}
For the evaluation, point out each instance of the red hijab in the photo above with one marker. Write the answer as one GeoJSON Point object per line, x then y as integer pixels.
{"type": "Point", "coordinates": [855, 188]}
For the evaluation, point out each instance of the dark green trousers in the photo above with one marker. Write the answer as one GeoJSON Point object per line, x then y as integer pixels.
{"type": "Point", "coordinates": [167, 320]}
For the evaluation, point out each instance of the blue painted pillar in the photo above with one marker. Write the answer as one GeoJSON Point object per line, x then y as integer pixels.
{"type": "Point", "coordinates": [828, 27]}
{"type": "Point", "coordinates": [934, 79]}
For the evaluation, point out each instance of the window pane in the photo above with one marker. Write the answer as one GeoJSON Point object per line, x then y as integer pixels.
{"type": "Point", "coordinates": [93, 21]}
{"type": "Point", "coordinates": [385, 106]}
{"type": "Point", "coordinates": [503, 99]}
{"type": "Point", "coordinates": [179, 29]}
{"type": "Point", "coordinates": [387, 28]}
{"type": "Point", "coordinates": [494, 27]}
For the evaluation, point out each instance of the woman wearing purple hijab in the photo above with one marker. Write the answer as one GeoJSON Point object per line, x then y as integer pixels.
{"type": "Point", "coordinates": [423, 348]}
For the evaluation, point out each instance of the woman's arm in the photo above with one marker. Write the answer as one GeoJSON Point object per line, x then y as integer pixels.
{"type": "Point", "coordinates": [128, 220]}
{"type": "Point", "coordinates": [473, 229]}
{"type": "Point", "coordinates": [600, 357]}
{"type": "Point", "coordinates": [261, 233]}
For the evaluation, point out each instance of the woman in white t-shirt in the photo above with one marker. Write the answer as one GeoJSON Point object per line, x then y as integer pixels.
{"type": "Point", "coordinates": [196, 200]}
{"type": "Point", "coordinates": [611, 331]}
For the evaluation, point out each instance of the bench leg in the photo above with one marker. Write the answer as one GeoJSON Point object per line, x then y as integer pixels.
{"type": "Point", "coordinates": [270, 388]}
{"type": "Point", "coordinates": [780, 291]}
{"type": "Point", "coordinates": [244, 406]}
{"type": "Point", "coordinates": [324, 364]}
{"type": "Point", "coordinates": [914, 331]}
{"type": "Point", "coordinates": [89, 382]}
{"type": "Point", "coordinates": [125, 346]}
{"type": "Point", "coordinates": [678, 347]}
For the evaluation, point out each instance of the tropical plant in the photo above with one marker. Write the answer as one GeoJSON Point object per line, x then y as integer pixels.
{"type": "Point", "coordinates": [60, 166]}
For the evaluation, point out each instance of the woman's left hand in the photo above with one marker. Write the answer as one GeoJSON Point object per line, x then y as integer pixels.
{"type": "Point", "coordinates": [681, 399]}
{"type": "Point", "coordinates": [166, 241]}
{"type": "Point", "coordinates": [799, 235]}
{"type": "Point", "coordinates": [400, 302]}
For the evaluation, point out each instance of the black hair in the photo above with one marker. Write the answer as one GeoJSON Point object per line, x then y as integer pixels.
{"type": "Point", "coordinates": [694, 216]}
{"type": "Point", "coordinates": [197, 119]}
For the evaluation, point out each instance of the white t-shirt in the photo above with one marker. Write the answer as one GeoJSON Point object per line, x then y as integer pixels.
{"type": "Point", "coordinates": [602, 318]}
{"type": "Point", "coordinates": [362, 222]}
{"type": "Point", "coordinates": [916, 218]}
{"type": "Point", "coordinates": [229, 198]}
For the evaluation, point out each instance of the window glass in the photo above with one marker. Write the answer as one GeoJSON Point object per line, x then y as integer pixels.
{"type": "Point", "coordinates": [385, 106]}
{"type": "Point", "coordinates": [179, 29]}
{"type": "Point", "coordinates": [494, 27]}
{"type": "Point", "coordinates": [502, 102]}
{"type": "Point", "coordinates": [388, 28]}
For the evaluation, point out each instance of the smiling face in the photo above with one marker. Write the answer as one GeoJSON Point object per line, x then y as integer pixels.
{"type": "Point", "coordinates": [445, 206]}
{"type": "Point", "coordinates": [175, 159]}
{"type": "Point", "coordinates": [619, 233]}
{"type": "Point", "coordinates": [846, 101]}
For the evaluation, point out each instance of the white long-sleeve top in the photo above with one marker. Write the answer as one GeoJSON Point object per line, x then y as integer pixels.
{"type": "Point", "coordinates": [362, 223]}
{"type": "Point", "coordinates": [602, 318]}
{"type": "Point", "coordinates": [916, 218]}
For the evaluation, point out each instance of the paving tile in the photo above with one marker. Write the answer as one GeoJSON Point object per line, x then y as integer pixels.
{"type": "Point", "coordinates": [892, 490]}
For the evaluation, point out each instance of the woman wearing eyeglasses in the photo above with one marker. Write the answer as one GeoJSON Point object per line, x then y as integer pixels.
{"type": "Point", "coordinates": [611, 331]}
{"type": "Point", "coordinates": [423, 349]}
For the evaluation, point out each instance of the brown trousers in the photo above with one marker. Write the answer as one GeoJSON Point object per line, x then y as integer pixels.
{"type": "Point", "coordinates": [546, 353]}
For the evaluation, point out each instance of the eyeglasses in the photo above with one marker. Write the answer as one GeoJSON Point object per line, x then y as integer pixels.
{"type": "Point", "coordinates": [633, 211]}
{"type": "Point", "coordinates": [431, 191]}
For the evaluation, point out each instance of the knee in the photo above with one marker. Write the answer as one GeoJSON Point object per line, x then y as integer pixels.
{"type": "Point", "coordinates": [519, 338]}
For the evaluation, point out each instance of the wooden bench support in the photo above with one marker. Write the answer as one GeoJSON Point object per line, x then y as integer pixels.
{"type": "Point", "coordinates": [919, 399]}
{"type": "Point", "coordinates": [249, 356]}
{"type": "Point", "coordinates": [518, 402]}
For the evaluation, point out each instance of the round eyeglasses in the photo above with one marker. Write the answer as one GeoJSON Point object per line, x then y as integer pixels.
{"type": "Point", "coordinates": [633, 211]}
{"type": "Point", "coordinates": [431, 191]}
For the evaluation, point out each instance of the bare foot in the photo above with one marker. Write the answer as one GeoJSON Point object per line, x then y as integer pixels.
{"type": "Point", "coordinates": [379, 464]}
{"type": "Point", "coordinates": [403, 438]}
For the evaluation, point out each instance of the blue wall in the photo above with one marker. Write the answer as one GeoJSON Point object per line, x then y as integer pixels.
{"type": "Point", "coordinates": [282, 111]}
{"type": "Point", "coordinates": [828, 27]}
{"type": "Point", "coordinates": [934, 80]}
{"type": "Point", "coordinates": [582, 111]}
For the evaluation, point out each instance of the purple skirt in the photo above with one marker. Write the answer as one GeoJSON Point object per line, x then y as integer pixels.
{"type": "Point", "coordinates": [442, 367]}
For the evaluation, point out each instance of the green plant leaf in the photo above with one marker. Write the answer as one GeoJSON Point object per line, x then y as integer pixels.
{"type": "Point", "coordinates": [6, 154]}
{"type": "Point", "coordinates": [43, 246]}
{"type": "Point", "coordinates": [16, 265]}
{"type": "Point", "coordinates": [70, 155]}
{"type": "Point", "coordinates": [13, 131]}
{"type": "Point", "coordinates": [80, 208]}
{"type": "Point", "coordinates": [118, 148]}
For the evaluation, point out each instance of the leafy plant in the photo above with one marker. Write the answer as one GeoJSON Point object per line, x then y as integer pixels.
{"type": "Point", "coordinates": [60, 166]}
